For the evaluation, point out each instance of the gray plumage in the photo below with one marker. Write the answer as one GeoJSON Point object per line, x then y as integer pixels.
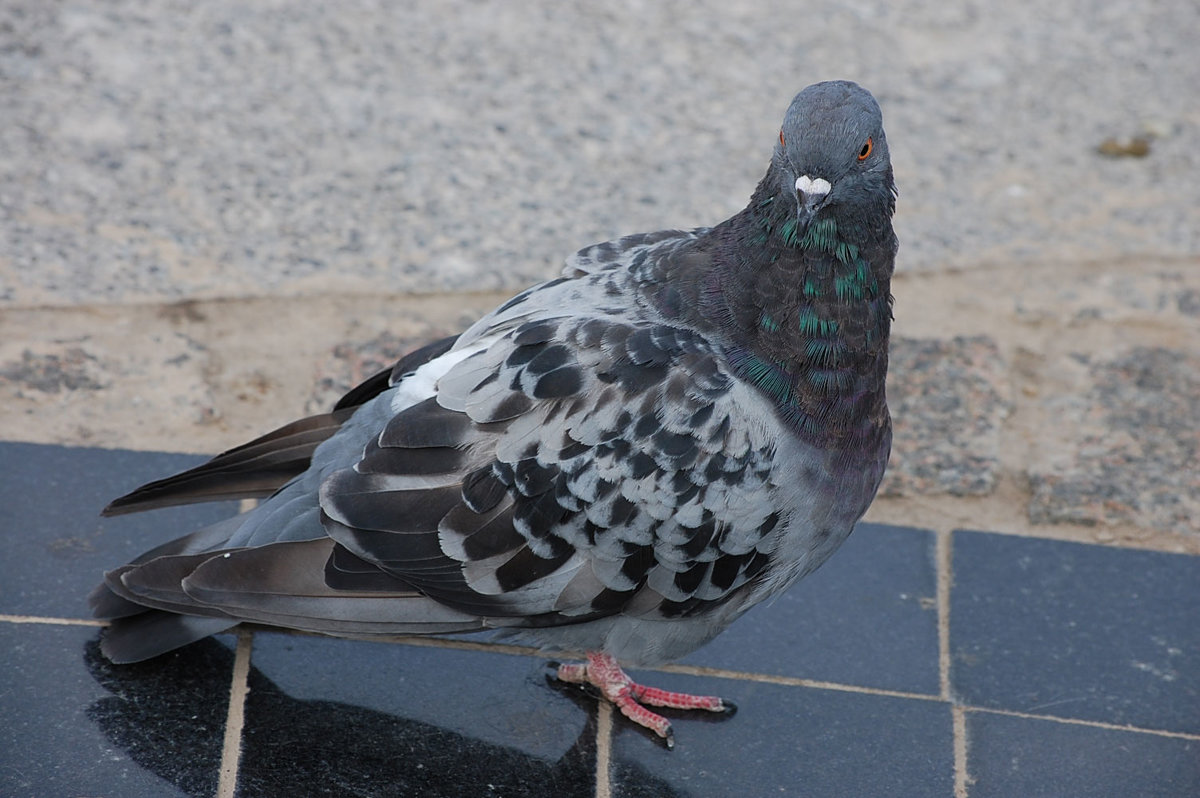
{"type": "Point", "coordinates": [622, 460]}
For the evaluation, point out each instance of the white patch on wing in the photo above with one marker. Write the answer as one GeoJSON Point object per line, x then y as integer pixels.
{"type": "Point", "coordinates": [810, 186]}
{"type": "Point", "coordinates": [422, 383]}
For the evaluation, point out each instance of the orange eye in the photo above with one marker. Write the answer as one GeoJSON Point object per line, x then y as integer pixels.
{"type": "Point", "coordinates": [781, 144]}
{"type": "Point", "coordinates": [866, 149]}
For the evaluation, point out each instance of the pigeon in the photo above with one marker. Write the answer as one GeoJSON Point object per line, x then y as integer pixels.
{"type": "Point", "coordinates": [616, 463]}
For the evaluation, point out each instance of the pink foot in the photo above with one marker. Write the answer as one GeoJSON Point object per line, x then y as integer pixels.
{"type": "Point", "coordinates": [602, 672]}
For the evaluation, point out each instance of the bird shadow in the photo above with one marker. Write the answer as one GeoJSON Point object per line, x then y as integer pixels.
{"type": "Point", "coordinates": [169, 714]}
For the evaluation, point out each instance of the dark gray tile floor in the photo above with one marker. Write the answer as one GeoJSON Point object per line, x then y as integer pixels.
{"type": "Point", "coordinates": [398, 720]}
{"type": "Point", "coordinates": [1039, 758]}
{"type": "Point", "coordinates": [1068, 670]}
{"type": "Point", "coordinates": [788, 740]}
{"type": "Point", "coordinates": [1075, 631]}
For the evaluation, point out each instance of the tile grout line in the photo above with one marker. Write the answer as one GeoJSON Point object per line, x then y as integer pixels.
{"type": "Point", "coordinates": [789, 681]}
{"type": "Point", "coordinates": [231, 746]}
{"type": "Point", "coordinates": [5, 618]}
{"type": "Point", "coordinates": [1095, 724]}
{"type": "Point", "coordinates": [604, 729]}
{"type": "Point", "coordinates": [962, 779]}
{"type": "Point", "coordinates": [944, 558]}
{"type": "Point", "coordinates": [943, 554]}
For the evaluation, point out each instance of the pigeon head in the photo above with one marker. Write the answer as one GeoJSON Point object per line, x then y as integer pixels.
{"type": "Point", "coordinates": [832, 157]}
{"type": "Point", "coordinates": [802, 285]}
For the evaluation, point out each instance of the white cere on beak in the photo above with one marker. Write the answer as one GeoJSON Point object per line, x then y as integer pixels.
{"type": "Point", "coordinates": [809, 187]}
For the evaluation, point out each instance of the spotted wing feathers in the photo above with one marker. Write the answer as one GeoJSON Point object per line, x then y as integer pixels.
{"type": "Point", "coordinates": [569, 458]}
{"type": "Point", "coordinates": [564, 470]}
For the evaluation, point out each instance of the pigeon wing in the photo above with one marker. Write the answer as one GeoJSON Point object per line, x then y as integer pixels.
{"type": "Point", "coordinates": [573, 465]}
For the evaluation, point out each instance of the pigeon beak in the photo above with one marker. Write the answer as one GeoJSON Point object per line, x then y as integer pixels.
{"type": "Point", "coordinates": [811, 195]}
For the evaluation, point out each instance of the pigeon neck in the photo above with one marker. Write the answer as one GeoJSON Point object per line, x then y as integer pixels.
{"type": "Point", "coordinates": [807, 314]}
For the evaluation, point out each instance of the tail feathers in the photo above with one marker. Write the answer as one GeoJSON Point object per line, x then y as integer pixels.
{"type": "Point", "coordinates": [156, 632]}
{"type": "Point", "coordinates": [175, 599]}
{"type": "Point", "coordinates": [112, 599]}
{"type": "Point", "coordinates": [250, 471]}
{"type": "Point", "coordinates": [283, 584]}
{"type": "Point", "coordinates": [108, 605]}
{"type": "Point", "coordinates": [209, 538]}
{"type": "Point", "coordinates": [162, 583]}
{"type": "Point", "coordinates": [264, 465]}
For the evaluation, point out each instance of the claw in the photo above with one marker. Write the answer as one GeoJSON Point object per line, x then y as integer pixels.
{"type": "Point", "coordinates": [602, 672]}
